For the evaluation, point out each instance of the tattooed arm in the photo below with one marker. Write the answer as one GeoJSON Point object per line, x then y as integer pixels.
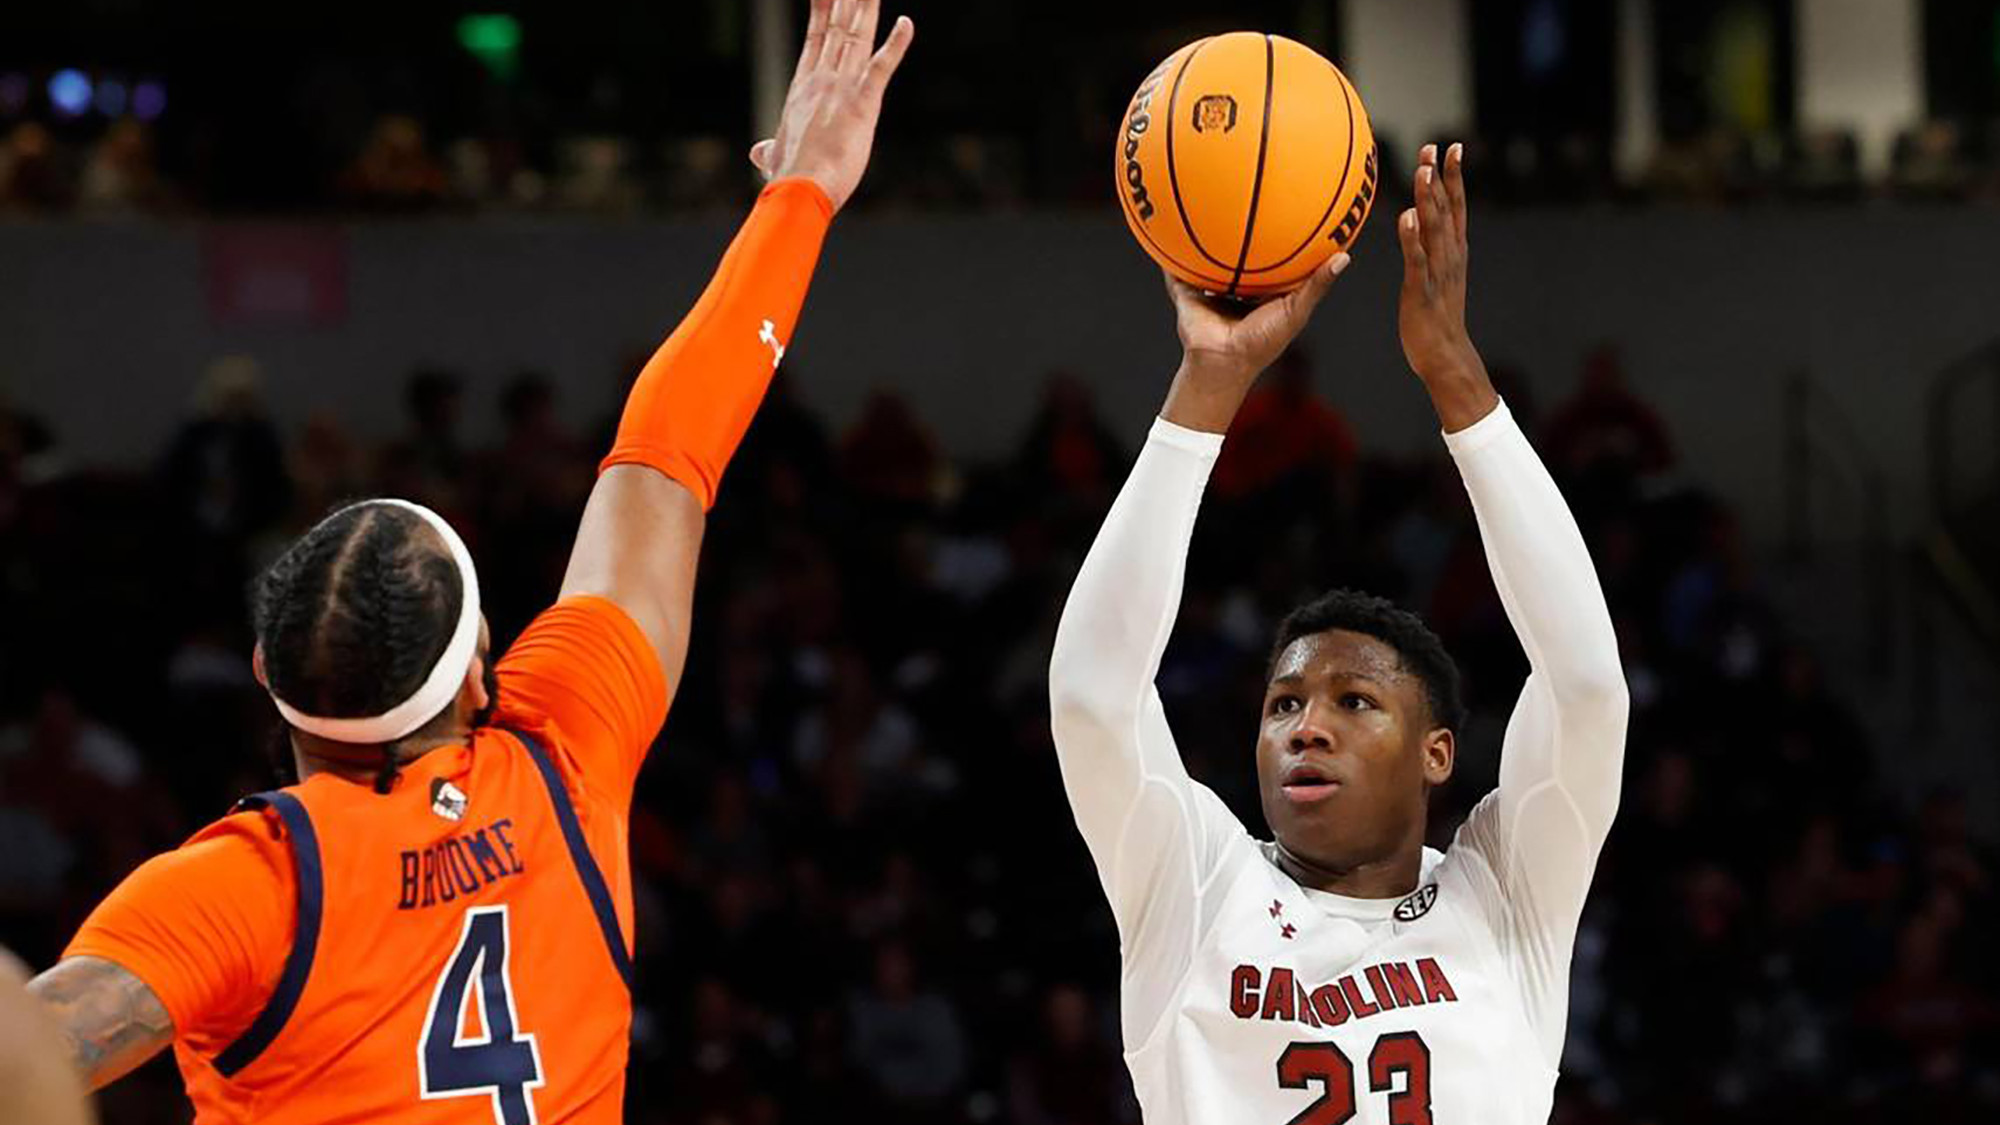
{"type": "Point", "coordinates": [35, 1085]}
{"type": "Point", "coordinates": [109, 1020]}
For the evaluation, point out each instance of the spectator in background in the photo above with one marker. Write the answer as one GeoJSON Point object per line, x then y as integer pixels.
{"type": "Point", "coordinates": [1604, 429]}
{"type": "Point", "coordinates": [395, 170]}
{"type": "Point", "coordinates": [428, 464]}
{"type": "Point", "coordinates": [532, 487]}
{"type": "Point", "coordinates": [77, 794]}
{"type": "Point", "coordinates": [1925, 1019]}
{"type": "Point", "coordinates": [536, 446]}
{"type": "Point", "coordinates": [1070, 453]}
{"type": "Point", "coordinates": [225, 469]}
{"type": "Point", "coordinates": [889, 455]}
{"type": "Point", "coordinates": [327, 470]}
{"type": "Point", "coordinates": [1070, 1075]}
{"type": "Point", "coordinates": [1286, 439]}
{"type": "Point", "coordinates": [1288, 465]}
{"type": "Point", "coordinates": [906, 1041]}
{"type": "Point", "coordinates": [31, 177]}
{"type": "Point", "coordinates": [723, 1074]}
{"type": "Point", "coordinates": [786, 461]}
{"type": "Point", "coordinates": [857, 725]}
{"type": "Point", "coordinates": [120, 177]}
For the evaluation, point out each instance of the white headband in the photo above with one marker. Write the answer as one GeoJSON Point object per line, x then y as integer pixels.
{"type": "Point", "coordinates": [441, 687]}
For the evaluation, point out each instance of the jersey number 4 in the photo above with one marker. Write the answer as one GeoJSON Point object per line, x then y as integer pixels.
{"type": "Point", "coordinates": [1402, 1052]}
{"type": "Point", "coordinates": [495, 1058]}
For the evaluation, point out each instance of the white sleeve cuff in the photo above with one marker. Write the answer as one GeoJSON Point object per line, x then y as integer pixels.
{"type": "Point", "coordinates": [1498, 423]}
{"type": "Point", "coordinates": [1199, 442]}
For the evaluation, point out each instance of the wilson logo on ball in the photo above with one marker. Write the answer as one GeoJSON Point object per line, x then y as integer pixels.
{"type": "Point", "coordinates": [1140, 120]}
{"type": "Point", "coordinates": [1350, 223]}
{"type": "Point", "coordinates": [1215, 112]}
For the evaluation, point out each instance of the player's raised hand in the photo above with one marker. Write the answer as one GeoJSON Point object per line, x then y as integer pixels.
{"type": "Point", "coordinates": [1431, 314]}
{"type": "Point", "coordinates": [1224, 346]}
{"type": "Point", "coordinates": [828, 125]}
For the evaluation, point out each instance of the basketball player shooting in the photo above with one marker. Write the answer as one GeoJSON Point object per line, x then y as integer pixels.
{"type": "Point", "coordinates": [435, 924]}
{"type": "Point", "coordinates": [1344, 972]}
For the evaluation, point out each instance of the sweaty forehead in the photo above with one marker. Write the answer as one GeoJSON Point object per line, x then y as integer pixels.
{"type": "Point", "coordinates": [1339, 652]}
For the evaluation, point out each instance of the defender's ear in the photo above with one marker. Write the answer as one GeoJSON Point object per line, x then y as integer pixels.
{"type": "Point", "coordinates": [473, 691]}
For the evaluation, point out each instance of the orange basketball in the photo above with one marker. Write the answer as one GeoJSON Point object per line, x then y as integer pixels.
{"type": "Point", "coordinates": [1245, 162]}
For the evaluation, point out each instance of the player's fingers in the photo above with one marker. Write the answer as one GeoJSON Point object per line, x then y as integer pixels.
{"type": "Point", "coordinates": [1416, 264]}
{"type": "Point", "coordinates": [809, 55]}
{"type": "Point", "coordinates": [867, 17]}
{"type": "Point", "coordinates": [846, 31]}
{"type": "Point", "coordinates": [839, 36]}
{"type": "Point", "coordinates": [1434, 224]}
{"type": "Point", "coordinates": [760, 155]}
{"type": "Point", "coordinates": [883, 66]}
{"type": "Point", "coordinates": [1454, 189]}
{"type": "Point", "coordinates": [1427, 156]}
{"type": "Point", "coordinates": [1307, 297]}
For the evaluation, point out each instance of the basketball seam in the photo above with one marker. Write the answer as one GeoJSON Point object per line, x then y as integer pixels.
{"type": "Point", "coordinates": [1138, 225]}
{"type": "Point", "coordinates": [1173, 176]}
{"type": "Point", "coordinates": [1263, 149]}
{"type": "Point", "coordinates": [1346, 171]}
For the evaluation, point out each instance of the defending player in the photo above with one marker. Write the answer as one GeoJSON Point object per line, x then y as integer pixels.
{"type": "Point", "coordinates": [1344, 972]}
{"type": "Point", "coordinates": [435, 924]}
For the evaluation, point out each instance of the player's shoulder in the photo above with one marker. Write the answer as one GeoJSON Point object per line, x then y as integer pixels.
{"type": "Point", "coordinates": [243, 831]}
{"type": "Point", "coordinates": [517, 744]}
{"type": "Point", "coordinates": [245, 853]}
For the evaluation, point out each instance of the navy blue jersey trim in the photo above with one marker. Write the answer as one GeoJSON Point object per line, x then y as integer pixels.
{"type": "Point", "coordinates": [579, 854]}
{"type": "Point", "coordinates": [298, 965]}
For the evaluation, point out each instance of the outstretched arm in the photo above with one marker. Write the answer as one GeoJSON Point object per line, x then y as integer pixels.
{"type": "Point", "coordinates": [642, 527]}
{"type": "Point", "coordinates": [1565, 745]}
{"type": "Point", "coordinates": [1155, 835]}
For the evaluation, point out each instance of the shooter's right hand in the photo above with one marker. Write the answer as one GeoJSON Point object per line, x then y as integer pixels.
{"type": "Point", "coordinates": [1224, 346]}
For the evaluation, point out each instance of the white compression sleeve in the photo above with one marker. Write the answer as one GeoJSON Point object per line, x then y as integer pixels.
{"type": "Point", "coordinates": [1154, 833]}
{"type": "Point", "coordinates": [1565, 744]}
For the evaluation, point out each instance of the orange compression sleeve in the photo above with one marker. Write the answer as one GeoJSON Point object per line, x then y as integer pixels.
{"type": "Point", "coordinates": [696, 396]}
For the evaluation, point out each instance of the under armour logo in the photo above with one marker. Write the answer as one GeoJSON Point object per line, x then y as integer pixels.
{"type": "Point", "coordinates": [769, 335]}
{"type": "Point", "coordinates": [1285, 929]}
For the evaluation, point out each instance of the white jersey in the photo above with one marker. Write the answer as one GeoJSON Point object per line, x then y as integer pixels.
{"type": "Point", "coordinates": [1249, 999]}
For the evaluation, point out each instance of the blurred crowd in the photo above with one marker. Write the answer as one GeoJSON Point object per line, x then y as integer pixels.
{"type": "Point", "coordinates": [860, 894]}
{"type": "Point", "coordinates": [399, 166]}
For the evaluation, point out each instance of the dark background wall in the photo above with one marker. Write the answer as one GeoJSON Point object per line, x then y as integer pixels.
{"type": "Point", "coordinates": [105, 329]}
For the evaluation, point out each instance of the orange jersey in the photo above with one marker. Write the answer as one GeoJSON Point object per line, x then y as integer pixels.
{"type": "Point", "coordinates": [457, 950]}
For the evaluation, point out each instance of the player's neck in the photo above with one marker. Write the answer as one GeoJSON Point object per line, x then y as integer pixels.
{"type": "Point", "coordinates": [1389, 877]}
{"type": "Point", "coordinates": [313, 755]}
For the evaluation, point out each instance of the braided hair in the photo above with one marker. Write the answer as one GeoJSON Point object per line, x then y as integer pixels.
{"type": "Point", "coordinates": [355, 614]}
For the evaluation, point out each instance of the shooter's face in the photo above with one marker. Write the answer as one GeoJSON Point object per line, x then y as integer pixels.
{"type": "Point", "coordinates": [1347, 752]}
